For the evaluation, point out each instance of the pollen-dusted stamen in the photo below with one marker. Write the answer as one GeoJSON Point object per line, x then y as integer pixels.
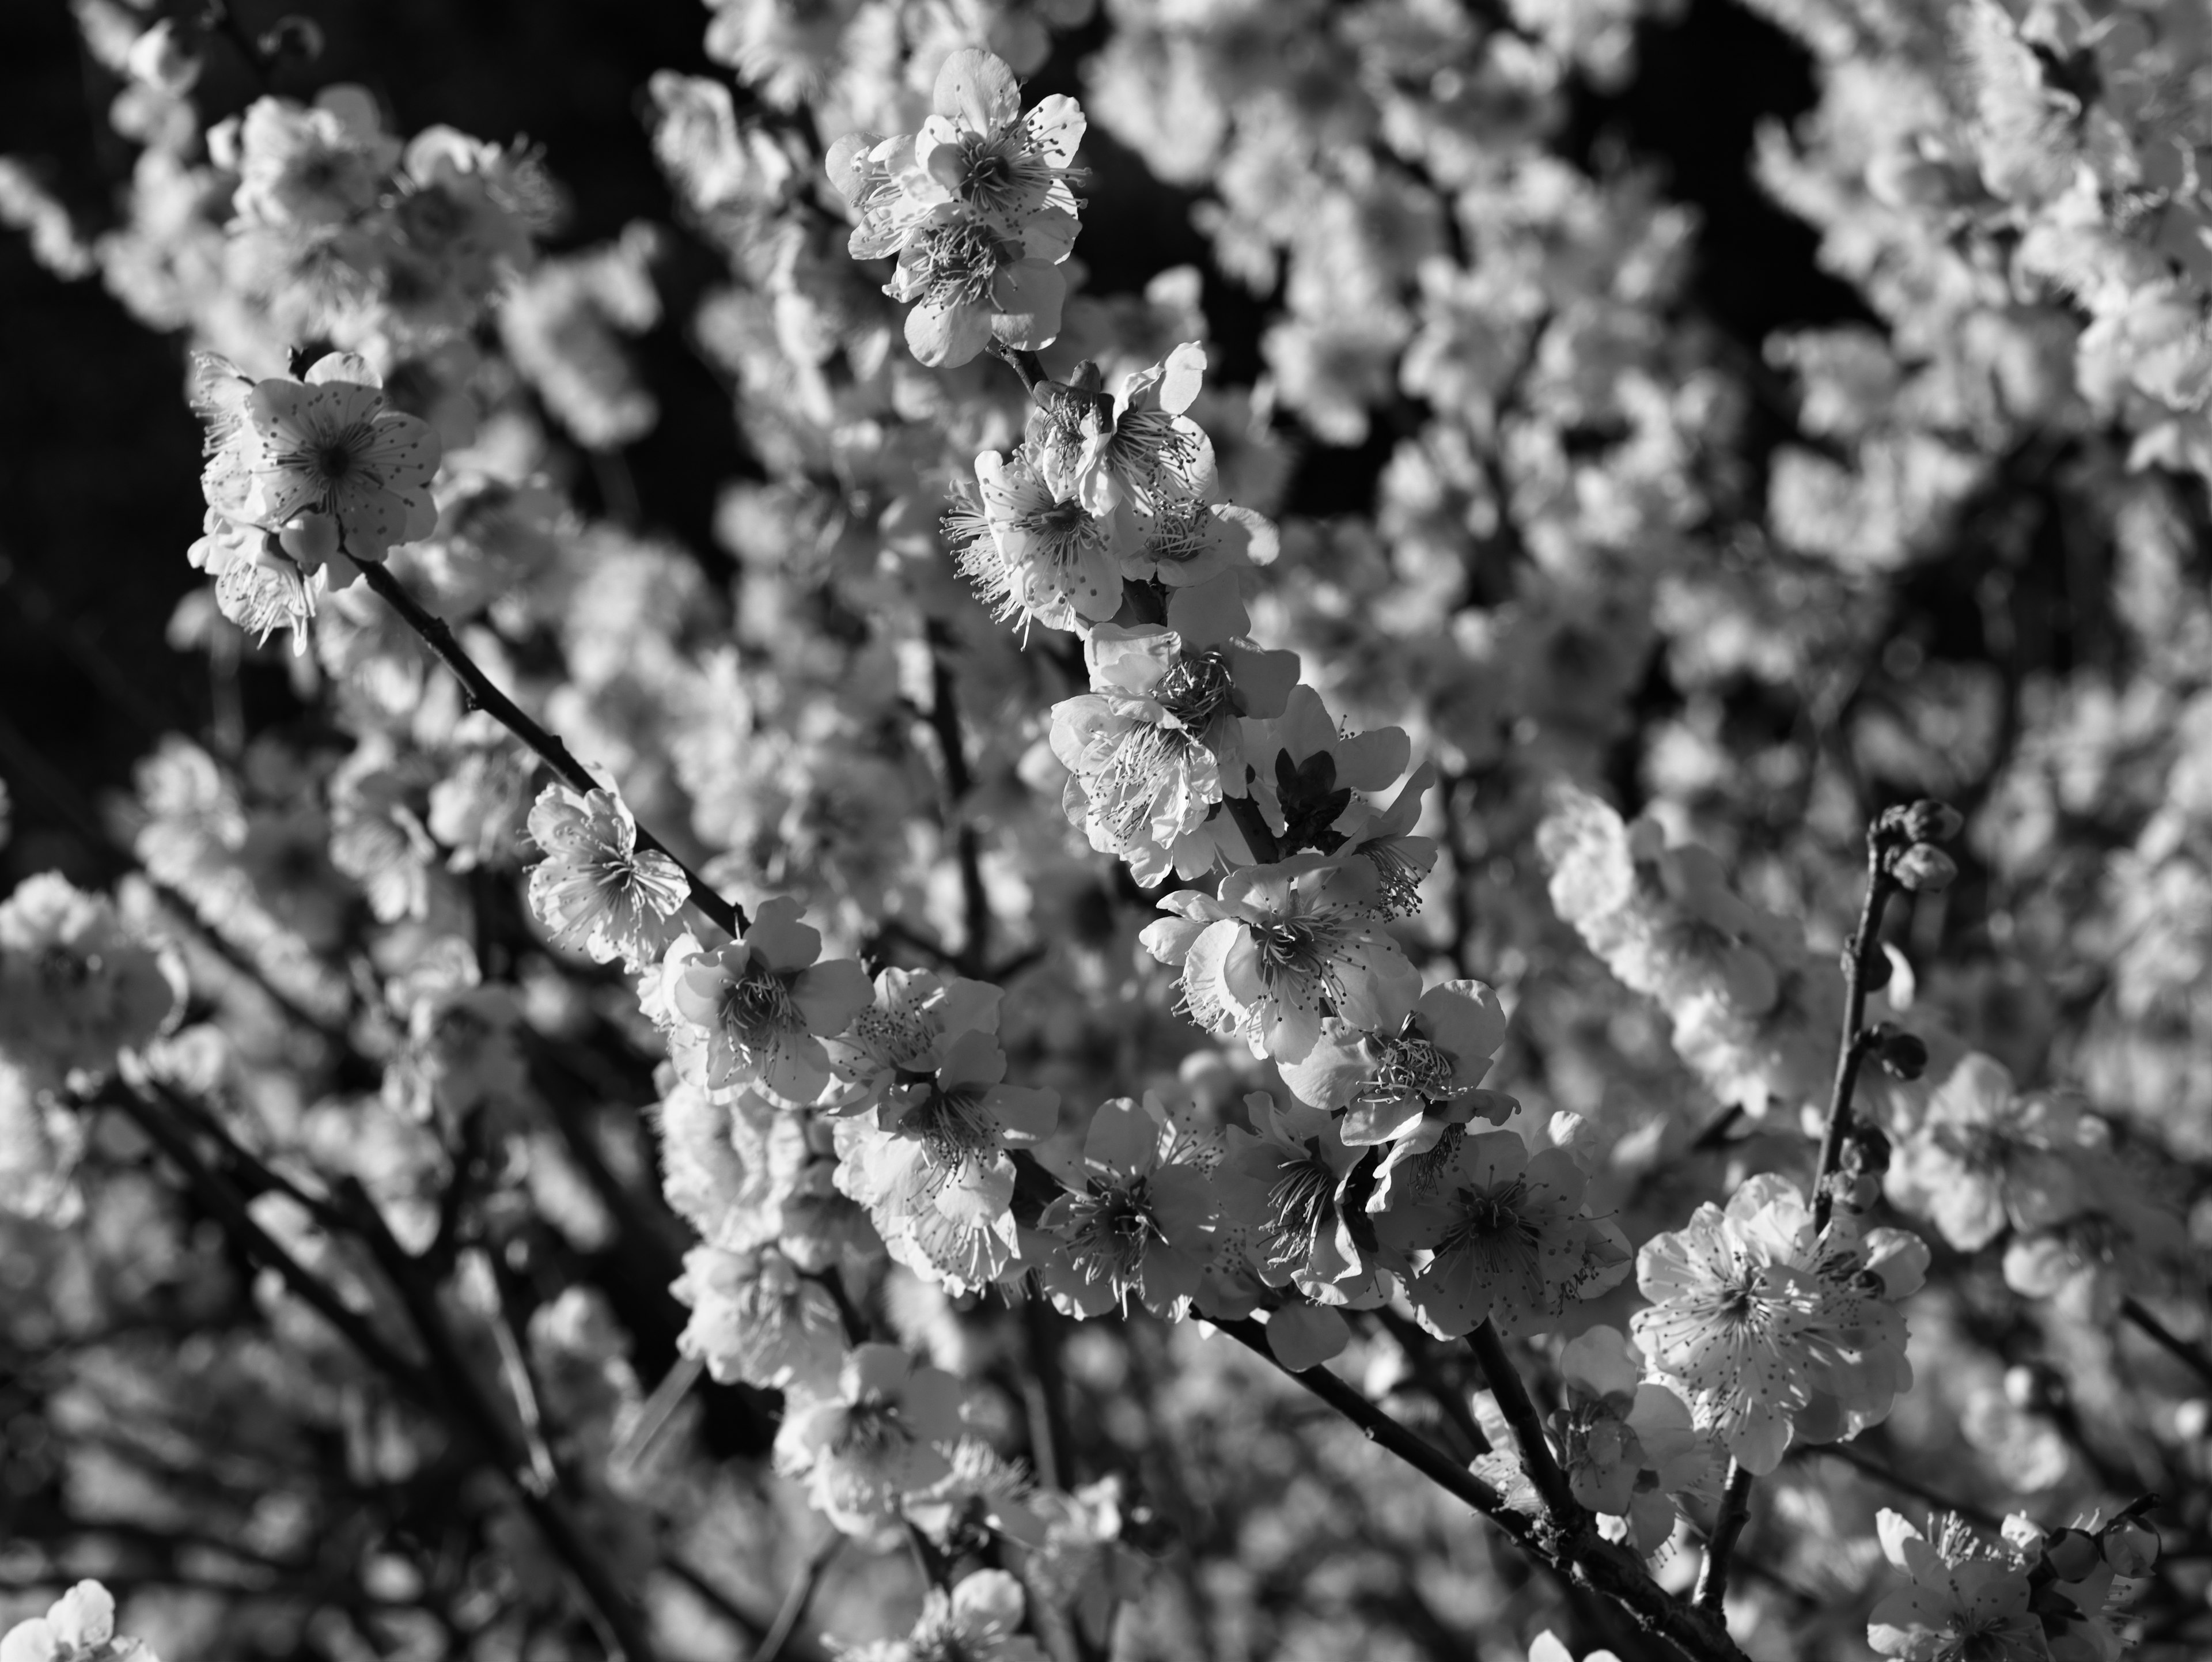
{"type": "Point", "coordinates": [1147, 756]}
{"type": "Point", "coordinates": [1196, 685]}
{"type": "Point", "coordinates": [758, 1009]}
{"type": "Point", "coordinates": [1408, 1065]}
{"type": "Point", "coordinates": [1397, 881]}
{"type": "Point", "coordinates": [1424, 1173]}
{"type": "Point", "coordinates": [962, 258]}
{"type": "Point", "coordinates": [1153, 446]}
{"type": "Point", "coordinates": [954, 1127]}
{"type": "Point", "coordinates": [1110, 1227]}
{"type": "Point", "coordinates": [1179, 532]}
{"type": "Point", "coordinates": [1301, 1204]}
{"type": "Point", "coordinates": [873, 1430]}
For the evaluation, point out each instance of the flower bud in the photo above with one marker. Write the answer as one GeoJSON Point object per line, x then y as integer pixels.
{"type": "Point", "coordinates": [2131, 1547]}
{"type": "Point", "coordinates": [1866, 1151]}
{"type": "Point", "coordinates": [1903, 1054]}
{"type": "Point", "coordinates": [1930, 821]}
{"type": "Point", "coordinates": [1923, 869]}
{"type": "Point", "coordinates": [1875, 975]}
{"type": "Point", "coordinates": [2071, 1552]}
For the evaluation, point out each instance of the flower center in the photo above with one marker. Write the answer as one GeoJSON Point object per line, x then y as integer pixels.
{"type": "Point", "coordinates": [872, 1430]}
{"type": "Point", "coordinates": [1196, 686]}
{"type": "Point", "coordinates": [1408, 1066]}
{"type": "Point", "coordinates": [961, 258]}
{"type": "Point", "coordinates": [1489, 1219]}
{"type": "Point", "coordinates": [1301, 1202]}
{"type": "Point", "coordinates": [954, 1127]}
{"type": "Point", "coordinates": [1108, 1230]}
{"type": "Point", "coordinates": [758, 1008]}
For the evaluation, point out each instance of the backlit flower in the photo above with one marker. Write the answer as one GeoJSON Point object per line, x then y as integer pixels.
{"type": "Point", "coordinates": [1499, 1235]}
{"type": "Point", "coordinates": [886, 1433]}
{"type": "Point", "coordinates": [1158, 741]}
{"type": "Point", "coordinates": [1143, 1221]}
{"type": "Point", "coordinates": [1280, 948]}
{"type": "Point", "coordinates": [759, 1008]}
{"type": "Point", "coordinates": [1031, 556]}
{"type": "Point", "coordinates": [596, 889]}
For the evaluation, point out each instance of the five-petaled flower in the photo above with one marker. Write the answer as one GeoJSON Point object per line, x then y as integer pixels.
{"type": "Point", "coordinates": [756, 1012]}
{"type": "Point", "coordinates": [596, 889]}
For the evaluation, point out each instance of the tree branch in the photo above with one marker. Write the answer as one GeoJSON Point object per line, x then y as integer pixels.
{"type": "Point", "coordinates": [1850, 1053]}
{"type": "Point", "coordinates": [482, 695]}
{"type": "Point", "coordinates": [1583, 1558]}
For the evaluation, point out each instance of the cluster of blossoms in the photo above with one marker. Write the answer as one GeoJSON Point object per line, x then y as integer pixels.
{"type": "Point", "coordinates": [976, 208]}
{"type": "Point", "coordinates": [2059, 1594]}
{"type": "Point", "coordinates": [997, 1085]}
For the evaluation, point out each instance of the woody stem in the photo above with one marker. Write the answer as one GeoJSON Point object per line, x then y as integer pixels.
{"type": "Point", "coordinates": [483, 694]}
{"type": "Point", "coordinates": [1850, 1052]}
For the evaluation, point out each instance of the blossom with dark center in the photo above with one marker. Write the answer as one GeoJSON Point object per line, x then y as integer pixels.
{"type": "Point", "coordinates": [1435, 1050]}
{"type": "Point", "coordinates": [332, 472]}
{"type": "Point", "coordinates": [596, 889]}
{"type": "Point", "coordinates": [1757, 1319]}
{"type": "Point", "coordinates": [929, 1162]}
{"type": "Point", "coordinates": [1144, 1218]}
{"type": "Point", "coordinates": [1312, 781]}
{"type": "Point", "coordinates": [885, 1435]}
{"type": "Point", "coordinates": [905, 1030]}
{"type": "Point", "coordinates": [1140, 450]}
{"type": "Point", "coordinates": [1031, 556]}
{"type": "Point", "coordinates": [1501, 1236]}
{"type": "Point", "coordinates": [1281, 948]}
{"type": "Point", "coordinates": [1158, 742]}
{"type": "Point", "coordinates": [997, 163]}
{"type": "Point", "coordinates": [1293, 1167]}
{"type": "Point", "coordinates": [1987, 1154]}
{"type": "Point", "coordinates": [1965, 1603]}
{"type": "Point", "coordinates": [757, 1011]}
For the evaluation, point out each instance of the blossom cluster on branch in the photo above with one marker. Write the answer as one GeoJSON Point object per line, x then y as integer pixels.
{"type": "Point", "coordinates": [718, 1096]}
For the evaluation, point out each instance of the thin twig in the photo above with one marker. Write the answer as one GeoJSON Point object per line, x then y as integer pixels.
{"type": "Point", "coordinates": [1585, 1559]}
{"type": "Point", "coordinates": [959, 783]}
{"type": "Point", "coordinates": [1851, 1049]}
{"type": "Point", "coordinates": [1542, 1466]}
{"type": "Point", "coordinates": [796, 1601]}
{"type": "Point", "coordinates": [481, 694]}
{"type": "Point", "coordinates": [2168, 1340]}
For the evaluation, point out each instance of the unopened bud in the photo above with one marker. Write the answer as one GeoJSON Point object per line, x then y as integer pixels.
{"type": "Point", "coordinates": [1930, 821]}
{"type": "Point", "coordinates": [1923, 869]}
{"type": "Point", "coordinates": [1903, 1054]}
{"type": "Point", "coordinates": [2073, 1554]}
{"type": "Point", "coordinates": [2131, 1547]}
{"type": "Point", "coordinates": [1868, 1150]}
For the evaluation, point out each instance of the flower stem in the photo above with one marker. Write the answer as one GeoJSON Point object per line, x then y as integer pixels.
{"type": "Point", "coordinates": [1850, 1053]}
{"type": "Point", "coordinates": [1520, 1410]}
{"type": "Point", "coordinates": [1581, 1558]}
{"type": "Point", "coordinates": [482, 695]}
